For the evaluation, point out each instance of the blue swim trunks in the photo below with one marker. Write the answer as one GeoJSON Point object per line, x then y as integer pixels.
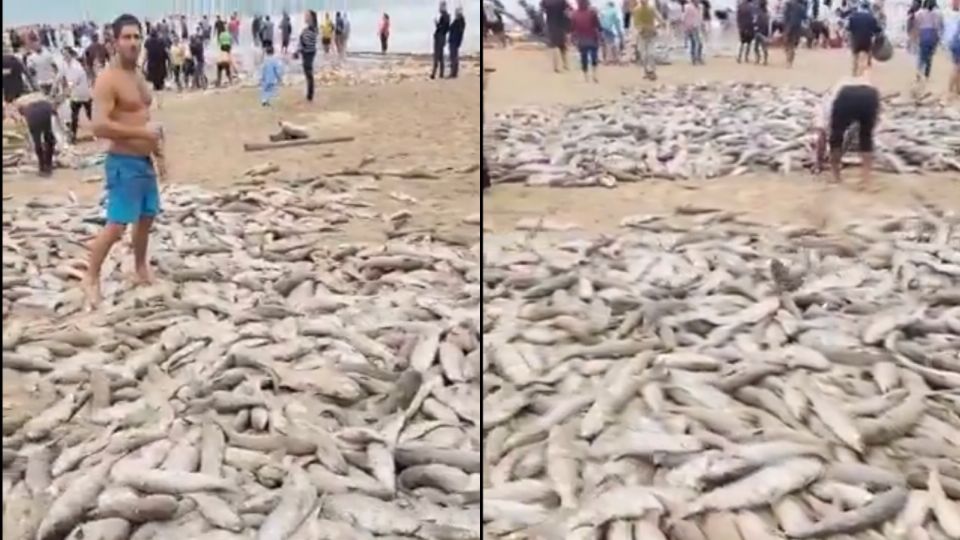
{"type": "Point", "coordinates": [131, 188]}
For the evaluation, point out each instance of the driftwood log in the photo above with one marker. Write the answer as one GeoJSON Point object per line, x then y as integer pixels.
{"type": "Point", "coordinates": [256, 147]}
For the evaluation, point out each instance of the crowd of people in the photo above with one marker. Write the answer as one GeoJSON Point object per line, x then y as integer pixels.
{"type": "Point", "coordinates": [39, 84]}
{"type": "Point", "coordinates": [603, 33]}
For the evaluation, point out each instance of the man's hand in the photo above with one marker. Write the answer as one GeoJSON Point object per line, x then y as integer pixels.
{"type": "Point", "coordinates": [160, 166]}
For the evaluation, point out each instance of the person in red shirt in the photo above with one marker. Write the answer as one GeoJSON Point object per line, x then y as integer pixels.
{"type": "Point", "coordinates": [585, 30]}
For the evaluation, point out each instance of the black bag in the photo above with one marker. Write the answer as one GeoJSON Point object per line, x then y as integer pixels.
{"type": "Point", "coordinates": [882, 49]}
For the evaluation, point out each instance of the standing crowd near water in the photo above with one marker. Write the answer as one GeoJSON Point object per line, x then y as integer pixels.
{"type": "Point", "coordinates": [608, 31]}
{"type": "Point", "coordinates": [44, 67]}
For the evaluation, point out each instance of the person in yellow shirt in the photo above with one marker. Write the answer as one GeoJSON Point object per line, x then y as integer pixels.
{"type": "Point", "coordinates": [645, 21]}
{"type": "Point", "coordinates": [326, 33]}
{"type": "Point", "coordinates": [178, 54]}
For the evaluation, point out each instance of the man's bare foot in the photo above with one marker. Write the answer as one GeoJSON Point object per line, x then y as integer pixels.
{"type": "Point", "coordinates": [143, 277]}
{"type": "Point", "coordinates": [91, 289]}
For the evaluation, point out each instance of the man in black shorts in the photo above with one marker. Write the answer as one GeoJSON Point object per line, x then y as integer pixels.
{"type": "Point", "coordinates": [558, 23]}
{"type": "Point", "coordinates": [747, 26]}
{"type": "Point", "coordinates": [862, 27]}
{"type": "Point", "coordinates": [854, 101]}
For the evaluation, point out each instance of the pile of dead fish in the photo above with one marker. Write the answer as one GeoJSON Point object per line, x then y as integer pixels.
{"type": "Point", "coordinates": [704, 131]}
{"type": "Point", "coordinates": [724, 382]}
{"type": "Point", "coordinates": [272, 385]}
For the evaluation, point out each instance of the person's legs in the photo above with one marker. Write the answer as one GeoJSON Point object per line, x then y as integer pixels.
{"type": "Point", "coordinates": [88, 108]}
{"type": "Point", "coordinates": [867, 113]}
{"type": "Point", "coordinates": [49, 144]}
{"type": "Point", "coordinates": [437, 60]}
{"type": "Point", "coordinates": [690, 47]}
{"type": "Point", "coordinates": [698, 46]}
{"type": "Point", "coordinates": [128, 201]}
{"type": "Point", "coordinates": [649, 63]}
{"type": "Point", "coordinates": [74, 119]}
{"type": "Point", "coordinates": [141, 239]}
{"type": "Point", "coordinates": [308, 74]}
{"type": "Point", "coordinates": [583, 60]}
{"type": "Point", "coordinates": [593, 56]}
{"type": "Point", "coordinates": [454, 62]}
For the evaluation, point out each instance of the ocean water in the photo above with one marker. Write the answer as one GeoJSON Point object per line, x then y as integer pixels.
{"type": "Point", "coordinates": [411, 20]}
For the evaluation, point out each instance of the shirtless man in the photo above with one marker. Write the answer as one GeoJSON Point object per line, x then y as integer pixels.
{"type": "Point", "coordinates": [121, 115]}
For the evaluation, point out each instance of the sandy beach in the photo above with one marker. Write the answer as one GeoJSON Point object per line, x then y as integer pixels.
{"type": "Point", "coordinates": [409, 127]}
{"type": "Point", "coordinates": [415, 124]}
{"type": "Point", "coordinates": [524, 77]}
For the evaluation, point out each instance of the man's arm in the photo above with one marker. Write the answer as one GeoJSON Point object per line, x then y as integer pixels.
{"type": "Point", "coordinates": [104, 102]}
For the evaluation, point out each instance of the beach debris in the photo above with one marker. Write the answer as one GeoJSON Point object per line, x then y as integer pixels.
{"type": "Point", "coordinates": [273, 383]}
{"type": "Point", "coordinates": [703, 131]}
{"type": "Point", "coordinates": [289, 143]}
{"type": "Point", "coordinates": [723, 380]}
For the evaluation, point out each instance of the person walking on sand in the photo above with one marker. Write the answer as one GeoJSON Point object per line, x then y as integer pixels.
{"type": "Point", "coordinates": [794, 15]}
{"type": "Point", "coordinates": [327, 33]}
{"type": "Point", "coordinates": [557, 14]}
{"type": "Point", "coordinates": [78, 88]}
{"type": "Point", "coordinates": [746, 26]}
{"type": "Point", "coordinates": [286, 29]}
{"type": "Point", "coordinates": [158, 59]}
{"type": "Point", "coordinates": [862, 28]}
{"type": "Point", "coordinates": [266, 32]}
{"type": "Point", "coordinates": [224, 65]}
{"type": "Point", "coordinates": [441, 27]}
{"type": "Point", "coordinates": [612, 39]}
{"type": "Point", "coordinates": [384, 33]}
{"type": "Point", "coordinates": [233, 26]}
{"type": "Point", "coordinates": [693, 30]}
{"type": "Point", "coordinates": [338, 33]}
{"type": "Point", "coordinates": [271, 76]}
{"type": "Point", "coordinates": [929, 23]}
{"type": "Point", "coordinates": [134, 157]}
{"type": "Point", "coordinates": [307, 49]}
{"type": "Point", "coordinates": [198, 54]}
{"type": "Point", "coordinates": [457, 28]}
{"type": "Point", "coordinates": [627, 7]}
{"type": "Point", "coordinates": [646, 19]}
{"type": "Point", "coordinates": [954, 85]}
{"type": "Point", "coordinates": [762, 39]}
{"type": "Point", "coordinates": [178, 55]}
{"type": "Point", "coordinates": [43, 68]}
{"type": "Point", "coordinates": [585, 31]}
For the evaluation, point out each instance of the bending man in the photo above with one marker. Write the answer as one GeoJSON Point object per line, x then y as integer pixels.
{"type": "Point", "coordinates": [853, 101]}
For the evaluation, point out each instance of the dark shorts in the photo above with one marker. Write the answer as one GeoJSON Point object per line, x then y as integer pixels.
{"type": "Point", "coordinates": [792, 36]}
{"type": "Point", "coordinates": [854, 105]}
{"type": "Point", "coordinates": [746, 36]}
{"type": "Point", "coordinates": [861, 44]}
{"type": "Point", "coordinates": [132, 191]}
{"type": "Point", "coordinates": [557, 37]}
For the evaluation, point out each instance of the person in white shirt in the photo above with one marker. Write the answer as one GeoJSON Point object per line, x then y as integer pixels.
{"type": "Point", "coordinates": [78, 89]}
{"type": "Point", "coordinates": [854, 100]}
{"type": "Point", "coordinates": [43, 67]}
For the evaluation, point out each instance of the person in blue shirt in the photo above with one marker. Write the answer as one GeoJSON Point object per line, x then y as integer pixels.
{"type": "Point", "coordinates": [271, 75]}
{"type": "Point", "coordinates": [612, 26]}
{"type": "Point", "coordinates": [862, 29]}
